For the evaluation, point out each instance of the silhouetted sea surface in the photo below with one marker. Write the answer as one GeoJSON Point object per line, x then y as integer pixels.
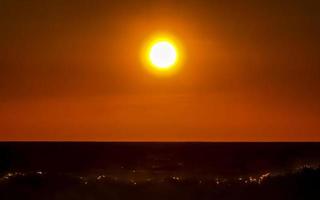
{"type": "Point", "coordinates": [72, 170]}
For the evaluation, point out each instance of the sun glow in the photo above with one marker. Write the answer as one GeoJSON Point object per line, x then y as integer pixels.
{"type": "Point", "coordinates": [163, 55]}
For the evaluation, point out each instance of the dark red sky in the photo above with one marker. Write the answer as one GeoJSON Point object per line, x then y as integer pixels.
{"type": "Point", "coordinates": [71, 70]}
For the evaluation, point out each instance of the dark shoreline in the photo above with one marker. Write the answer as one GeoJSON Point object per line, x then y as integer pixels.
{"type": "Point", "coordinates": [221, 158]}
{"type": "Point", "coordinates": [119, 170]}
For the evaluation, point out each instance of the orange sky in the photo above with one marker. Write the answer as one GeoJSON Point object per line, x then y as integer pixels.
{"type": "Point", "coordinates": [72, 71]}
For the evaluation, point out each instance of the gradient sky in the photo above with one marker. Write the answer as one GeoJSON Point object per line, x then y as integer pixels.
{"type": "Point", "coordinates": [71, 70]}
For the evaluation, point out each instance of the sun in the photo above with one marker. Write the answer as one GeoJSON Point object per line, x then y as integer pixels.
{"type": "Point", "coordinates": [163, 55]}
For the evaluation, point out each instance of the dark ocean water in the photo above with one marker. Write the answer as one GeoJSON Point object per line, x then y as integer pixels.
{"type": "Point", "coordinates": [63, 170]}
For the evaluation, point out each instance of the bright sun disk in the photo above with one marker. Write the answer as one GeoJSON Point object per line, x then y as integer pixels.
{"type": "Point", "coordinates": [163, 55]}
